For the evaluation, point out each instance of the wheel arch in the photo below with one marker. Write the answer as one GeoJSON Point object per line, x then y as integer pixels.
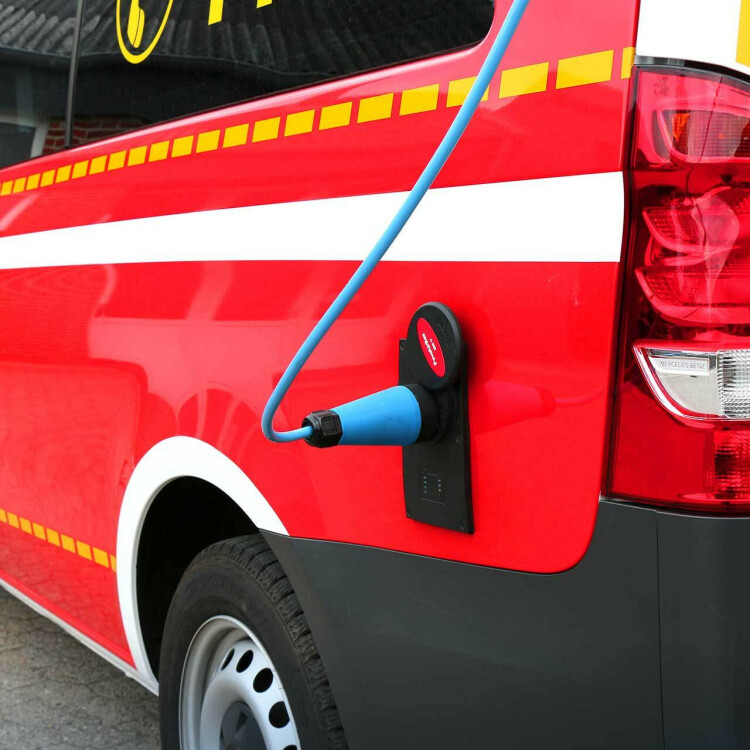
{"type": "Point", "coordinates": [172, 461]}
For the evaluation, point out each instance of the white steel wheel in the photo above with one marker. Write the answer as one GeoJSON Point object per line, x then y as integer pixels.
{"type": "Point", "coordinates": [238, 666]}
{"type": "Point", "coordinates": [231, 697]}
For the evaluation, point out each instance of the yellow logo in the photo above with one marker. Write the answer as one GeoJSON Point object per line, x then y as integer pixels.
{"type": "Point", "coordinates": [131, 43]}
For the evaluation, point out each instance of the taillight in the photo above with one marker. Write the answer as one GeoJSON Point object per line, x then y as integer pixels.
{"type": "Point", "coordinates": [682, 406]}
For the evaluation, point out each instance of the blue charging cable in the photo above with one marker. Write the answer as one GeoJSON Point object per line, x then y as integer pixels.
{"type": "Point", "coordinates": [399, 221]}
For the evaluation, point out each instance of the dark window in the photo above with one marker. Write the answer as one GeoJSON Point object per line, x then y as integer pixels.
{"type": "Point", "coordinates": [36, 39]}
{"type": "Point", "coordinates": [210, 53]}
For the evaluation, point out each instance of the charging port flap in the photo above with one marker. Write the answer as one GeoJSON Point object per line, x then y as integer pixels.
{"type": "Point", "coordinates": [437, 475]}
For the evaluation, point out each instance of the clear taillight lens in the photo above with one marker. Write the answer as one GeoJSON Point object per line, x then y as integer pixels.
{"type": "Point", "coordinates": [682, 408]}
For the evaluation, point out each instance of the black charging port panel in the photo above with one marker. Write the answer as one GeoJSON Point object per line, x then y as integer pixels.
{"type": "Point", "coordinates": [437, 473]}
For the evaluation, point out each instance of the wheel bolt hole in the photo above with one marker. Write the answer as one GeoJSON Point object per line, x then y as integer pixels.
{"type": "Point", "coordinates": [263, 680]}
{"type": "Point", "coordinates": [278, 715]}
{"type": "Point", "coordinates": [228, 658]}
{"type": "Point", "coordinates": [245, 661]}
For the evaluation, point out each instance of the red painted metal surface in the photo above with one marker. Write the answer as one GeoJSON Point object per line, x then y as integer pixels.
{"type": "Point", "coordinates": [99, 363]}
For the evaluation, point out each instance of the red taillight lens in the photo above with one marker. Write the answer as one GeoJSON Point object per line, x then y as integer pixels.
{"type": "Point", "coordinates": [682, 408]}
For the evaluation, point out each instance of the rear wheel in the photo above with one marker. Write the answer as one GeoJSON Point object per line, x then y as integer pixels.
{"type": "Point", "coordinates": [239, 669]}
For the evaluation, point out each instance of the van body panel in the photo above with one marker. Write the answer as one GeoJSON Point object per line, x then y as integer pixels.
{"type": "Point", "coordinates": [101, 360]}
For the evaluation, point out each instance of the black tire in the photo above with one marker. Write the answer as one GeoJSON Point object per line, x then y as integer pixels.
{"type": "Point", "coordinates": [241, 578]}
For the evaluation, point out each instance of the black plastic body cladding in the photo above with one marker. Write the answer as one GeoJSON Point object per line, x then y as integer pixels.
{"type": "Point", "coordinates": [424, 653]}
{"type": "Point", "coordinates": [644, 644]}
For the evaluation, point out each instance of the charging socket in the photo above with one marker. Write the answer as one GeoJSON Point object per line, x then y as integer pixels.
{"type": "Point", "coordinates": [437, 472]}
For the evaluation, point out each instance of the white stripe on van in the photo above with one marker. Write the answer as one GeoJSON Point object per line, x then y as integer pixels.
{"type": "Point", "coordinates": [568, 219]}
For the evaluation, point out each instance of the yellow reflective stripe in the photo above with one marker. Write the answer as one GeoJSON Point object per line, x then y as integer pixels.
{"type": "Point", "coordinates": [137, 156]}
{"type": "Point", "coordinates": [375, 108]}
{"type": "Point", "coordinates": [101, 557]}
{"type": "Point", "coordinates": [458, 91]}
{"type": "Point", "coordinates": [182, 146]}
{"type": "Point", "coordinates": [266, 130]}
{"type": "Point", "coordinates": [596, 67]}
{"type": "Point", "coordinates": [335, 116]}
{"type": "Point", "coordinates": [299, 123]}
{"type": "Point", "coordinates": [585, 69]}
{"type": "Point", "coordinates": [208, 141]}
{"type": "Point", "coordinates": [529, 79]}
{"type": "Point", "coordinates": [117, 160]}
{"type": "Point", "coordinates": [628, 56]}
{"type": "Point", "coordinates": [159, 151]}
{"type": "Point", "coordinates": [80, 169]}
{"type": "Point", "coordinates": [422, 99]}
{"type": "Point", "coordinates": [68, 543]}
{"type": "Point", "coordinates": [236, 135]}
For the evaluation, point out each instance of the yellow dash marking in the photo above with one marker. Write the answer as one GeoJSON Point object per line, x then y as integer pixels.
{"type": "Point", "coordinates": [84, 550]}
{"type": "Point", "coordinates": [530, 79]}
{"type": "Point", "coordinates": [458, 91]}
{"type": "Point", "coordinates": [300, 122]}
{"type": "Point", "coordinates": [63, 173]}
{"type": "Point", "coordinates": [3, 516]}
{"type": "Point", "coordinates": [13, 520]}
{"type": "Point", "coordinates": [33, 182]}
{"type": "Point", "coordinates": [743, 41]}
{"type": "Point", "coordinates": [585, 69]}
{"type": "Point", "coordinates": [335, 116]}
{"type": "Point", "coordinates": [236, 135]}
{"type": "Point", "coordinates": [215, 12]}
{"type": "Point", "coordinates": [182, 146]}
{"type": "Point", "coordinates": [25, 525]}
{"type": "Point", "coordinates": [113, 563]}
{"type": "Point", "coordinates": [98, 165]}
{"type": "Point", "coordinates": [19, 185]}
{"type": "Point", "coordinates": [7, 188]}
{"type": "Point", "coordinates": [39, 532]}
{"type": "Point", "coordinates": [423, 99]}
{"type": "Point", "coordinates": [159, 151]}
{"type": "Point", "coordinates": [117, 160]}
{"type": "Point", "coordinates": [208, 141]}
{"type": "Point", "coordinates": [53, 537]}
{"type": "Point", "coordinates": [48, 177]}
{"type": "Point", "coordinates": [80, 169]}
{"type": "Point", "coordinates": [375, 108]}
{"type": "Point", "coordinates": [101, 557]}
{"type": "Point", "coordinates": [68, 544]}
{"type": "Point", "coordinates": [137, 156]}
{"type": "Point", "coordinates": [628, 55]}
{"type": "Point", "coordinates": [263, 3]}
{"type": "Point", "coordinates": [266, 130]}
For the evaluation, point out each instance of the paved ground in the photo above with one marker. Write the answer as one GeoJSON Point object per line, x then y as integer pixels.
{"type": "Point", "coordinates": [55, 694]}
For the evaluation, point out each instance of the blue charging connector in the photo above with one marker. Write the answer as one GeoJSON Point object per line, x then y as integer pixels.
{"type": "Point", "coordinates": [399, 420]}
{"type": "Point", "coordinates": [364, 433]}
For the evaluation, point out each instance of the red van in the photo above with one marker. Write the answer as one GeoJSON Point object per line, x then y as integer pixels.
{"type": "Point", "coordinates": [184, 189]}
